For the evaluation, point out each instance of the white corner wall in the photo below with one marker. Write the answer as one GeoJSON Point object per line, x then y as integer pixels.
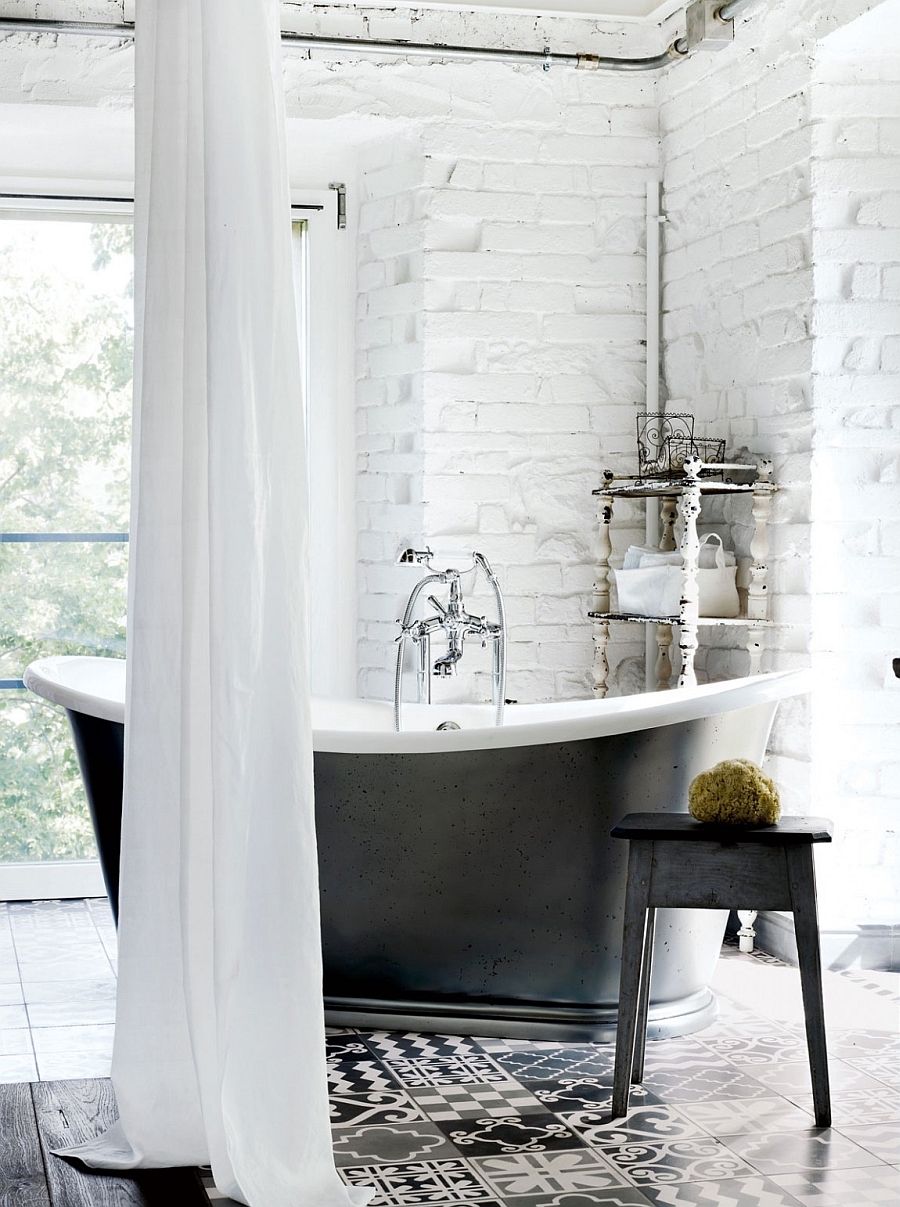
{"type": "Point", "coordinates": [780, 328]}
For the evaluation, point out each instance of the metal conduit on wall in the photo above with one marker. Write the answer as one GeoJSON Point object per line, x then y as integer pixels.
{"type": "Point", "coordinates": [544, 58]}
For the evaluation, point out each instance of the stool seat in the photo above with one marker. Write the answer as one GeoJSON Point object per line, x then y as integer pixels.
{"type": "Point", "coordinates": [675, 861]}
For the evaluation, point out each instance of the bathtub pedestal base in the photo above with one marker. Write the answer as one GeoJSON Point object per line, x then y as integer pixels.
{"type": "Point", "coordinates": [518, 1020]}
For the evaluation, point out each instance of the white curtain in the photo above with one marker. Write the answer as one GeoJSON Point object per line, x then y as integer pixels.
{"type": "Point", "coordinates": [219, 1050]}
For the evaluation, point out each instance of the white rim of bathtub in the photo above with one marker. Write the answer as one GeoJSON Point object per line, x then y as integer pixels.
{"type": "Point", "coordinates": [96, 686]}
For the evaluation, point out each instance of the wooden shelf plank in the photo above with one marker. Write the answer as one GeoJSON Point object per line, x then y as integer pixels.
{"type": "Point", "coordinates": [703, 620]}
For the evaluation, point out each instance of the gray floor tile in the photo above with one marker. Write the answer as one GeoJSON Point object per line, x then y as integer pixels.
{"type": "Point", "coordinates": [703, 1085]}
{"type": "Point", "coordinates": [881, 1139]}
{"type": "Point", "coordinates": [486, 1099]}
{"type": "Point", "coordinates": [9, 966]}
{"type": "Point", "coordinates": [17, 1068]}
{"type": "Point", "coordinates": [775, 1153]}
{"type": "Point", "coordinates": [402, 1143]}
{"type": "Point", "coordinates": [13, 1016]}
{"type": "Point", "coordinates": [66, 1014]}
{"type": "Point", "coordinates": [64, 968]}
{"type": "Point", "coordinates": [438, 1182]}
{"type": "Point", "coordinates": [73, 1039]}
{"type": "Point", "coordinates": [88, 989]}
{"type": "Point", "coordinates": [576, 1170]}
{"type": "Point", "coordinates": [619, 1196]}
{"type": "Point", "coordinates": [851, 1045]}
{"type": "Point", "coordinates": [742, 1192]}
{"type": "Point", "coordinates": [391, 1106]}
{"type": "Point", "coordinates": [742, 1115]}
{"type": "Point", "coordinates": [643, 1123]}
{"type": "Point", "coordinates": [650, 1163]}
{"type": "Point", "coordinates": [11, 993]}
{"type": "Point", "coordinates": [858, 1106]}
{"type": "Point", "coordinates": [16, 1042]}
{"type": "Point", "coordinates": [513, 1133]}
{"type": "Point", "coordinates": [73, 1066]}
{"type": "Point", "coordinates": [791, 1080]}
{"type": "Point", "coordinates": [877, 1186]}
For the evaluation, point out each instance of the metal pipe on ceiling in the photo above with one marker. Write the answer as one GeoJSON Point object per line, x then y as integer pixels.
{"type": "Point", "coordinates": [544, 58]}
{"type": "Point", "coordinates": [729, 11]}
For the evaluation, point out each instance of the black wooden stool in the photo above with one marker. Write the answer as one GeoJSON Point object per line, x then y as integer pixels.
{"type": "Point", "coordinates": [676, 861]}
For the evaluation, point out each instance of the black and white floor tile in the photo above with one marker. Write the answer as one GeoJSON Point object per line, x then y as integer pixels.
{"type": "Point", "coordinates": [724, 1118]}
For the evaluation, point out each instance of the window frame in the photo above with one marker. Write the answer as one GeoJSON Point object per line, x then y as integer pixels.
{"type": "Point", "coordinates": [331, 462]}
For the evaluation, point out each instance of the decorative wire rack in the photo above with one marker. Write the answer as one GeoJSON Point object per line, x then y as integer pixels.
{"type": "Point", "coordinates": [666, 439]}
{"type": "Point", "coordinates": [710, 451]}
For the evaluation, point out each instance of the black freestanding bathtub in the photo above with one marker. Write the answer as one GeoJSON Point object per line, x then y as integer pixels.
{"type": "Point", "coordinates": [468, 882]}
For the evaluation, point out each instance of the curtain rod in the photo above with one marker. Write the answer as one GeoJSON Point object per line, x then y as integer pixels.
{"type": "Point", "coordinates": [101, 200]}
{"type": "Point", "coordinates": [546, 58]}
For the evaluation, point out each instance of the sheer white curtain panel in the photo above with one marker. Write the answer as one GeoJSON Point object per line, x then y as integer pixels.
{"type": "Point", "coordinates": [219, 1050]}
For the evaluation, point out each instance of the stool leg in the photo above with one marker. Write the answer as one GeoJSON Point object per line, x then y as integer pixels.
{"type": "Point", "coordinates": [640, 1040]}
{"type": "Point", "coordinates": [801, 874]}
{"type": "Point", "coordinates": [637, 895]}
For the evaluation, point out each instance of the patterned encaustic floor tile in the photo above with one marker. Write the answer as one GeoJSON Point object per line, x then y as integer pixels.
{"type": "Point", "coordinates": [445, 1070]}
{"type": "Point", "coordinates": [877, 1186]}
{"type": "Point", "coordinates": [345, 1045]}
{"type": "Point", "coordinates": [647, 1163]}
{"type": "Point", "coordinates": [740, 1115]}
{"type": "Point", "coordinates": [396, 1045]}
{"type": "Point", "coordinates": [699, 1085]}
{"type": "Point", "coordinates": [432, 1182]}
{"type": "Point", "coordinates": [858, 1106]}
{"type": "Point", "coordinates": [724, 1118]}
{"type": "Point", "coordinates": [885, 1067]}
{"type": "Point", "coordinates": [385, 1106]}
{"type": "Point", "coordinates": [584, 1094]}
{"type": "Point", "coordinates": [776, 1153]}
{"type": "Point", "coordinates": [512, 1134]}
{"type": "Point", "coordinates": [403, 1143]}
{"type": "Point", "coordinates": [757, 1049]}
{"type": "Point", "coordinates": [738, 1192]}
{"type": "Point", "coordinates": [618, 1196]}
{"type": "Point", "coordinates": [359, 1077]}
{"type": "Point", "coordinates": [850, 1045]}
{"type": "Point", "coordinates": [569, 1172]}
{"type": "Point", "coordinates": [793, 1079]}
{"type": "Point", "coordinates": [491, 1044]}
{"type": "Point", "coordinates": [491, 1099]}
{"type": "Point", "coordinates": [554, 1064]}
{"type": "Point", "coordinates": [643, 1123]}
{"type": "Point", "coordinates": [883, 1140]}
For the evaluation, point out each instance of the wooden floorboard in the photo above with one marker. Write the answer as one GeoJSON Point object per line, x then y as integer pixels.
{"type": "Point", "coordinates": [70, 1112]}
{"type": "Point", "coordinates": [22, 1181]}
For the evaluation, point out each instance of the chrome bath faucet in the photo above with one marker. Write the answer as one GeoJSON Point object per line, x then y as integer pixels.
{"type": "Point", "coordinates": [456, 623]}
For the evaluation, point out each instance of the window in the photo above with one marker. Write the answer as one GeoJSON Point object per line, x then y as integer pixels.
{"type": "Point", "coordinates": [66, 342]}
{"type": "Point", "coordinates": [66, 336]}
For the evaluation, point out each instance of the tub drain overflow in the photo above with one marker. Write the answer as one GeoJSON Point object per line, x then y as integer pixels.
{"type": "Point", "coordinates": [447, 725]}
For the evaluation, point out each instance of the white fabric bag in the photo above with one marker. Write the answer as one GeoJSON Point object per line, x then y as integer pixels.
{"type": "Point", "coordinates": [716, 582]}
{"type": "Point", "coordinates": [650, 581]}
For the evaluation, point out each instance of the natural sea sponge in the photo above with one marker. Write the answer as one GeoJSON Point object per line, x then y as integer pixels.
{"type": "Point", "coordinates": [734, 792]}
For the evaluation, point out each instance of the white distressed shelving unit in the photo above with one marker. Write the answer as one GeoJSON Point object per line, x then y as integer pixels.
{"type": "Point", "coordinates": [682, 498]}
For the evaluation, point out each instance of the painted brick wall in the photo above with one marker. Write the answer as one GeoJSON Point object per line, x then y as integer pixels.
{"type": "Point", "coordinates": [510, 367]}
{"type": "Point", "coordinates": [856, 458]}
{"type": "Point", "coordinates": [766, 339]}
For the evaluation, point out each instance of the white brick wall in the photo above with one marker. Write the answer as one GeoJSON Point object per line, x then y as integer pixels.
{"type": "Point", "coordinates": [856, 460]}
{"type": "Point", "coordinates": [509, 368]}
{"type": "Point", "coordinates": [781, 321]}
